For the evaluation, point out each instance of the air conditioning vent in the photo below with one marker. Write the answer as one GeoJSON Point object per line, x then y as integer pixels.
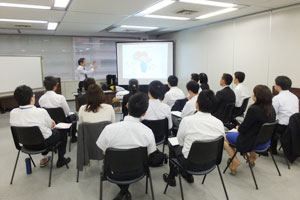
{"type": "Point", "coordinates": [186, 12]}
{"type": "Point", "coordinates": [22, 26]}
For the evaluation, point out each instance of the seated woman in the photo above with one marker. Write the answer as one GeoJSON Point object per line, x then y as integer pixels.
{"type": "Point", "coordinates": [259, 113]}
{"type": "Point", "coordinates": [133, 88]}
{"type": "Point", "coordinates": [96, 110]}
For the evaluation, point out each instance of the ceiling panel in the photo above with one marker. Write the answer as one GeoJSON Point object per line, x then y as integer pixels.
{"type": "Point", "coordinates": [37, 32]}
{"type": "Point", "coordinates": [121, 7]}
{"type": "Point", "coordinates": [14, 24]}
{"type": "Point", "coordinates": [79, 27]}
{"type": "Point", "coordinates": [264, 3]}
{"type": "Point", "coordinates": [31, 2]}
{"type": "Point", "coordinates": [83, 17]}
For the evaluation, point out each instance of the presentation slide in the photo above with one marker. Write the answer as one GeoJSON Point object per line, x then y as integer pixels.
{"type": "Point", "coordinates": [145, 61]}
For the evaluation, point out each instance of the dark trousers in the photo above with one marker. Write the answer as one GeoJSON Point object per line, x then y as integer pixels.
{"type": "Point", "coordinates": [124, 188]}
{"type": "Point", "coordinates": [176, 152]}
{"type": "Point", "coordinates": [58, 136]}
{"type": "Point", "coordinates": [80, 86]}
{"type": "Point", "coordinates": [73, 119]}
{"type": "Point", "coordinates": [278, 133]}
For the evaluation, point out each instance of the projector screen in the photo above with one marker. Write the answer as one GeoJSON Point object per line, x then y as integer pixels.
{"type": "Point", "coordinates": [145, 61]}
{"type": "Point", "coordinates": [20, 70]}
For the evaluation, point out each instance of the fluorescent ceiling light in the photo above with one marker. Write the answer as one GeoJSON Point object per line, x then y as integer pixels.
{"type": "Point", "coordinates": [166, 17]}
{"type": "Point", "coordinates": [52, 25]}
{"type": "Point", "coordinates": [61, 3]}
{"type": "Point", "coordinates": [16, 5]}
{"type": "Point", "coordinates": [139, 27]}
{"type": "Point", "coordinates": [156, 7]}
{"type": "Point", "coordinates": [23, 21]}
{"type": "Point", "coordinates": [219, 12]}
{"type": "Point", "coordinates": [210, 3]}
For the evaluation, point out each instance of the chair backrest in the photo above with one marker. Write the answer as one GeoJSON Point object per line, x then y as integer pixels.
{"type": "Point", "coordinates": [179, 104]}
{"type": "Point", "coordinates": [160, 128]}
{"type": "Point", "coordinates": [205, 154]}
{"type": "Point", "coordinates": [28, 137]}
{"type": "Point", "coordinates": [227, 113]}
{"type": "Point", "coordinates": [125, 164]}
{"type": "Point", "coordinates": [111, 79]}
{"type": "Point", "coordinates": [57, 114]}
{"type": "Point", "coordinates": [265, 133]}
{"type": "Point", "coordinates": [243, 107]}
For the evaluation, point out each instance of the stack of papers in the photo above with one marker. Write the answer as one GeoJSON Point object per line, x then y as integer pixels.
{"type": "Point", "coordinates": [173, 141]}
{"type": "Point", "coordinates": [176, 113]}
{"type": "Point", "coordinates": [63, 125]}
{"type": "Point", "coordinates": [233, 130]}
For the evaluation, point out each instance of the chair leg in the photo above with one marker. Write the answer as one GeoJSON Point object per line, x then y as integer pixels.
{"type": "Point", "coordinates": [230, 162]}
{"type": "Point", "coordinates": [203, 179]}
{"type": "Point", "coordinates": [101, 187]}
{"type": "Point", "coordinates": [51, 166]}
{"type": "Point", "coordinates": [151, 186]}
{"type": "Point", "coordinates": [70, 144]}
{"type": "Point", "coordinates": [220, 174]}
{"type": "Point", "coordinates": [77, 176]}
{"type": "Point", "coordinates": [147, 184]}
{"type": "Point", "coordinates": [252, 173]}
{"type": "Point", "coordinates": [286, 160]}
{"type": "Point", "coordinates": [13, 174]}
{"type": "Point", "coordinates": [164, 147]}
{"type": "Point", "coordinates": [166, 188]}
{"type": "Point", "coordinates": [275, 163]}
{"type": "Point", "coordinates": [32, 160]}
{"type": "Point", "coordinates": [180, 183]}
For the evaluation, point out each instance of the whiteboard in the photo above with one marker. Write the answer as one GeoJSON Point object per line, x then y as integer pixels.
{"type": "Point", "coordinates": [20, 70]}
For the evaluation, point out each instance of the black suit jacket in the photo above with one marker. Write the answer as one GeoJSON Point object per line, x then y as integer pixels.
{"type": "Point", "coordinates": [224, 97]}
{"type": "Point", "coordinates": [81, 100]}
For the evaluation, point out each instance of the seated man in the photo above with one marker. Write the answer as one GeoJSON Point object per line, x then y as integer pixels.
{"type": "Point", "coordinates": [130, 133]}
{"type": "Point", "coordinates": [241, 91]}
{"type": "Point", "coordinates": [174, 93]}
{"type": "Point", "coordinates": [224, 96]}
{"type": "Point", "coordinates": [53, 100]}
{"type": "Point", "coordinates": [157, 110]}
{"type": "Point", "coordinates": [82, 97]}
{"type": "Point", "coordinates": [28, 115]}
{"type": "Point", "coordinates": [285, 104]}
{"type": "Point", "coordinates": [201, 126]}
{"type": "Point", "coordinates": [190, 106]}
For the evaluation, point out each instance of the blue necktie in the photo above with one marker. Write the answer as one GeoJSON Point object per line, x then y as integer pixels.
{"type": "Point", "coordinates": [85, 74]}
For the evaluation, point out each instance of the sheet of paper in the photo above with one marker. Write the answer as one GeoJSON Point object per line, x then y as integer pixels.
{"type": "Point", "coordinates": [173, 141]}
{"type": "Point", "coordinates": [176, 113]}
{"type": "Point", "coordinates": [63, 125]}
{"type": "Point", "coordinates": [233, 130]}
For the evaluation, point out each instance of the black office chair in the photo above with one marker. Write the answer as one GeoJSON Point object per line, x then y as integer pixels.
{"type": "Point", "coordinates": [264, 136]}
{"type": "Point", "coordinates": [30, 140]}
{"type": "Point", "coordinates": [58, 115]}
{"type": "Point", "coordinates": [111, 79]}
{"type": "Point", "coordinates": [227, 113]}
{"type": "Point", "coordinates": [87, 149]}
{"type": "Point", "coordinates": [242, 109]}
{"type": "Point", "coordinates": [126, 166]}
{"type": "Point", "coordinates": [203, 158]}
{"type": "Point", "coordinates": [160, 129]}
{"type": "Point", "coordinates": [179, 104]}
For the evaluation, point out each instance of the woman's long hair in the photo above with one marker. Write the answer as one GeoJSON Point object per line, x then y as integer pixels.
{"type": "Point", "coordinates": [263, 99]}
{"type": "Point", "coordinates": [95, 97]}
{"type": "Point", "coordinates": [133, 86]}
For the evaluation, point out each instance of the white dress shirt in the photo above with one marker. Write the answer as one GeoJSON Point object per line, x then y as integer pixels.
{"type": "Point", "coordinates": [105, 113]}
{"type": "Point", "coordinates": [158, 110]}
{"type": "Point", "coordinates": [128, 134]}
{"type": "Point", "coordinates": [32, 116]}
{"type": "Point", "coordinates": [190, 107]}
{"type": "Point", "coordinates": [201, 127]}
{"type": "Point", "coordinates": [285, 104]}
{"type": "Point", "coordinates": [82, 72]}
{"type": "Point", "coordinates": [241, 92]}
{"type": "Point", "coordinates": [53, 100]}
{"type": "Point", "coordinates": [172, 95]}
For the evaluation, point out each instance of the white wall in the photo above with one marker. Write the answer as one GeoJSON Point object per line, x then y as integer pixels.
{"type": "Point", "coordinates": [263, 46]}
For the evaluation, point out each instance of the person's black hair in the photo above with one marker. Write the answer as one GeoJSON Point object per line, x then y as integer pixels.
{"type": "Point", "coordinates": [87, 82]}
{"type": "Point", "coordinates": [206, 101]}
{"type": "Point", "coordinates": [156, 89]}
{"type": "Point", "coordinates": [284, 82]}
{"type": "Point", "coordinates": [203, 78]}
{"type": "Point", "coordinates": [23, 95]}
{"type": "Point", "coordinates": [138, 104]}
{"type": "Point", "coordinates": [195, 77]}
{"type": "Point", "coordinates": [240, 76]}
{"type": "Point", "coordinates": [263, 97]}
{"type": "Point", "coordinates": [133, 86]}
{"type": "Point", "coordinates": [173, 80]}
{"type": "Point", "coordinates": [81, 60]}
{"type": "Point", "coordinates": [192, 86]}
{"type": "Point", "coordinates": [50, 82]}
{"type": "Point", "coordinates": [227, 78]}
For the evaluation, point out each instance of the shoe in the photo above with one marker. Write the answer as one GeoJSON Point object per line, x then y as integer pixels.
{"type": "Point", "coordinates": [171, 181]}
{"type": "Point", "coordinates": [119, 196]}
{"type": "Point", "coordinates": [233, 172]}
{"type": "Point", "coordinates": [45, 161]}
{"type": "Point", "coordinates": [188, 177]}
{"type": "Point", "coordinates": [127, 196]}
{"type": "Point", "coordinates": [62, 162]}
{"type": "Point", "coordinates": [74, 139]}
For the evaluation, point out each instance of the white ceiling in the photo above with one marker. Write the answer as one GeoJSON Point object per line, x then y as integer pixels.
{"type": "Point", "coordinates": [97, 17]}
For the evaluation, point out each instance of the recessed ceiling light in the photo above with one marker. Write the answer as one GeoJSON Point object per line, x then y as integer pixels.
{"type": "Point", "coordinates": [139, 27]}
{"type": "Point", "coordinates": [52, 25]}
{"type": "Point", "coordinates": [156, 7]}
{"type": "Point", "coordinates": [219, 12]}
{"type": "Point", "coordinates": [23, 21]}
{"type": "Point", "coordinates": [166, 17]}
{"type": "Point", "coordinates": [210, 3]}
{"type": "Point", "coordinates": [61, 3]}
{"type": "Point", "coordinates": [16, 5]}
